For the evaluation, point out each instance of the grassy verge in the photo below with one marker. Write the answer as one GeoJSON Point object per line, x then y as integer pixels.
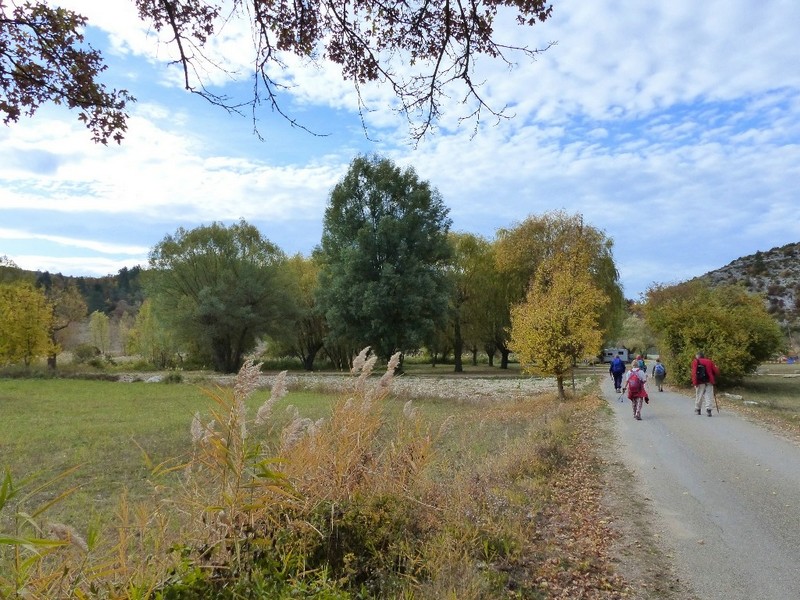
{"type": "Point", "coordinates": [771, 396]}
{"type": "Point", "coordinates": [356, 495]}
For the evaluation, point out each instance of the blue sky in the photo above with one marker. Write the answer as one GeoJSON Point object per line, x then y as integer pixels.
{"type": "Point", "coordinates": [671, 125]}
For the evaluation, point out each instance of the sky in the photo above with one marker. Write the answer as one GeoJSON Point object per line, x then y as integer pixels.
{"type": "Point", "coordinates": [671, 125]}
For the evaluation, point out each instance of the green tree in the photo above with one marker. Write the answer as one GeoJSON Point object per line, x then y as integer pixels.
{"type": "Point", "coordinates": [636, 335]}
{"type": "Point", "coordinates": [384, 253]}
{"type": "Point", "coordinates": [471, 256]}
{"type": "Point", "coordinates": [100, 328]}
{"type": "Point", "coordinates": [727, 323]}
{"type": "Point", "coordinates": [151, 339]}
{"type": "Point", "coordinates": [522, 248]}
{"type": "Point", "coordinates": [26, 320]}
{"type": "Point", "coordinates": [43, 58]}
{"type": "Point", "coordinates": [220, 289]}
{"type": "Point", "coordinates": [306, 337]}
{"type": "Point", "coordinates": [558, 323]}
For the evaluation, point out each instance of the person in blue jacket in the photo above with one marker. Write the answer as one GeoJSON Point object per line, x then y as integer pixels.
{"type": "Point", "coordinates": [617, 370]}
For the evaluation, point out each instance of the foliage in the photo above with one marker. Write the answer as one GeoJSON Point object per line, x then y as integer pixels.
{"type": "Point", "coordinates": [150, 339]}
{"type": "Point", "coordinates": [220, 289]}
{"type": "Point", "coordinates": [557, 325]}
{"type": "Point", "coordinates": [100, 330]}
{"type": "Point", "coordinates": [68, 307]}
{"type": "Point", "coordinates": [83, 353]}
{"type": "Point", "coordinates": [43, 58]}
{"type": "Point", "coordinates": [307, 335]}
{"type": "Point", "coordinates": [471, 255]}
{"type": "Point", "coordinates": [384, 253]}
{"type": "Point", "coordinates": [728, 324]}
{"type": "Point", "coordinates": [26, 322]}
{"type": "Point", "coordinates": [520, 250]}
{"type": "Point", "coordinates": [635, 335]}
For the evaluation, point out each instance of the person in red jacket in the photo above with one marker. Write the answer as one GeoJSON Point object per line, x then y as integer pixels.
{"type": "Point", "coordinates": [704, 378]}
{"type": "Point", "coordinates": [634, 382]}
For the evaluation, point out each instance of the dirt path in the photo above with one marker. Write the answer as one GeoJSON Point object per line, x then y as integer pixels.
{"type": "Point", "coordinates": [724, 497]}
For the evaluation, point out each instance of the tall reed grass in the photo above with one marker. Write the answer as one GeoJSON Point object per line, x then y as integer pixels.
{"type": "Point", "coordinates": [354, 505]}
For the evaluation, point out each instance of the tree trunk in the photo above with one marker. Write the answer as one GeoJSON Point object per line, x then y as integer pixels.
{"type": "Point", "coordinates": [490, 350]}
{"type": "Point", "coordinates": [504, 352]}
{"type": "Point", "coordinates": [308, 361]}
{"type": "Point", "coordinates": [51, 362]}
{"type": "Point", "coordinates": [560, 380]}
{"type": "Point", "coordinates": [458, 347]}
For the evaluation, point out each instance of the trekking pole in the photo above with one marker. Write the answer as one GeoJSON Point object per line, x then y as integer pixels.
{"type": "Point", "coordinates": [715, 398]}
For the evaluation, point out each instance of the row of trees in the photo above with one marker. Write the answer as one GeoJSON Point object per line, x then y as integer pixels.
{"type": "Point", "coordinates": [389, 273]}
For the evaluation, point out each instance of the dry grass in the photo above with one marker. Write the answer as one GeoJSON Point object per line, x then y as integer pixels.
{"type": "Point", "coordinates": [377, 499]}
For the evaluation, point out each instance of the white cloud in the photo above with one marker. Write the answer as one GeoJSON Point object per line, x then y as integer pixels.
{"type": "Point", "coordinates": [678, 114]}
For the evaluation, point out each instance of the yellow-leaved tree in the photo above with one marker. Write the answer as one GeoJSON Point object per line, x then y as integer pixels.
{"type": "Point", "coordinates": [558, 323]}
{"type": "Point", "coordinates": [26, 320]}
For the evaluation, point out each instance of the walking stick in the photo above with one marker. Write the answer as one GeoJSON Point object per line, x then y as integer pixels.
{"type": "Point", "coordinates": [715, 399]}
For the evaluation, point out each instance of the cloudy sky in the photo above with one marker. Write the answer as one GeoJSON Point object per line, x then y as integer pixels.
{"type": "Point", "coordinates": [672, 125]}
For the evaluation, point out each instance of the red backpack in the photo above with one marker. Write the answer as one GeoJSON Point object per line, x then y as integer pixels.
{"type": "Point", "coordinates": [634, 385]}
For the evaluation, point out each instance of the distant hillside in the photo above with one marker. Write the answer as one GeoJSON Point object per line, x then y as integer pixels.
{"type": "Point", "coordinates": [774, 274]}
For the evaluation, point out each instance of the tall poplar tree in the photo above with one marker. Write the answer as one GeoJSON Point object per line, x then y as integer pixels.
{"type": "Point", "coordinates": [384, 257]}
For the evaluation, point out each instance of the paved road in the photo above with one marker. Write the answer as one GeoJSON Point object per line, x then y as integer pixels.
{"type": "Point", "coordinates": [726, 493]}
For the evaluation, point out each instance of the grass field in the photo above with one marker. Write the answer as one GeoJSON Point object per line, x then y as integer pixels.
{"type": "Point", "coordinates": [771, 395]}
{"type": "Point", "coordinates": [509, 494]}
{"type": "Point", "coordinates": [461, 510]}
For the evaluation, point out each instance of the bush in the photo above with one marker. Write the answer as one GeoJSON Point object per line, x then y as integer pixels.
{"type": "Point", "coordinates": [85, 353]}
{"type": "Point", "coordinates": [173, 377]}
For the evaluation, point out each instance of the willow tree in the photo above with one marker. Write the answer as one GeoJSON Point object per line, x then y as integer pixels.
{"type": "Point", "coordinates": [520, 251]}
{"type": "Point", "coordinates": [558, 323]}
{"type": "Point", "coordinates": [220, 289]}
{"type": "Point", "coordinates": [305, 338]}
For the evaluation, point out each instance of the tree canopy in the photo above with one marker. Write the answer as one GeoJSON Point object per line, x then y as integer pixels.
{"type": "Point", "coordinates": [418, 48]}
{"type": "Point", "coordinates": [220, 288]}
{"type": "Point", "coordinates": [26, 322]}
{"type": "Point", "coordinates": [306, 337]}
{"type": "Point", "coordinates": [384, 255]}
{"type": "Point", "coordinates": [728, 324]}
{"type": "Point", "coordinates": [43, 58]}
{"type": "Point", "coordinates": [558, 323]}
{"type": "Point", "coordinates": [521, 249]}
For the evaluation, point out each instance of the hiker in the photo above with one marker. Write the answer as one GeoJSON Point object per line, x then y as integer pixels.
{"type": "Point", "coordinates": [617, 370]}
{"type": "Point", "coordinates": [660, 373]}
{"type": "Point", "coordinates": [704, 378]}
{"type": "Point", "coordinates": [641, 363]}
{"type": "Point", "coordinates": [635, 380]}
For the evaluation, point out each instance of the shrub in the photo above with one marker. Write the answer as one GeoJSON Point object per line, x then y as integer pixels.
{"type": "Point", "coordinates": [84, 353]}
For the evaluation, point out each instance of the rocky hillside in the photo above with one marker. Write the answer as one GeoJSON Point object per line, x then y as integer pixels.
{"type": "Point", "coordinates": [774, 274]}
